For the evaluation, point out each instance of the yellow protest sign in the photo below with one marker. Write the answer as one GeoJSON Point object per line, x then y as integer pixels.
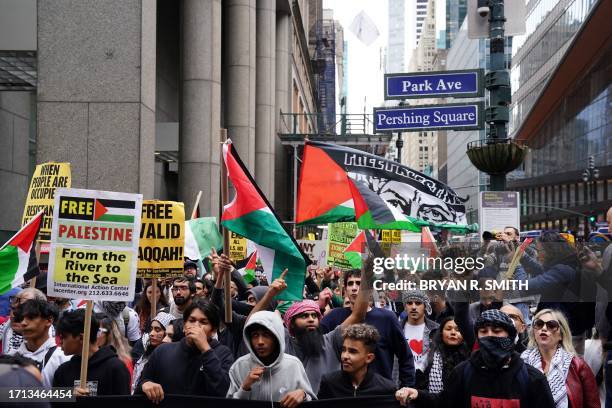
{"type": "Point", "coordinates": [94, 245]}
{"type": "Point", "coordinates": [46, 179]}
{"type": "Point", "coordinates": [162, 239]}
{"type": "Point", "coordinates": [237, 247]}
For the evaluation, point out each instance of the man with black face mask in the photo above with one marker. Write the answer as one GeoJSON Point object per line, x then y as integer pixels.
{"type": "Point", "coordinates": [494, 376]}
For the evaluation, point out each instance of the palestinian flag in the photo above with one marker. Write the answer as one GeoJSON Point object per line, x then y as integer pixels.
{"type": "Point", "coordinates": [251, 216]}
{"type": "Point", "coordinates": [18, 262]}
{"type": "Point", "coordinates": [248, 272]}
{"type": "Point", "coordinates": [202, 234]}
{"type": "Point", "coordinates": [114, 211]}
{"type": "Point", "coordinates": [343, 184]}
{"type": "Point", "coordinates": [429, 242]}
{"type": "Point", "coordinates": [357, 247]}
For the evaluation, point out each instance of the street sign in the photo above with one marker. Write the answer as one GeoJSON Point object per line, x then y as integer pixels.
{"type": "Point", "coordinates": [454, 116]}
{"type": "Point", "coordinates": [435, 84]}
{"type": "Point", "coordinates": [498, 210]}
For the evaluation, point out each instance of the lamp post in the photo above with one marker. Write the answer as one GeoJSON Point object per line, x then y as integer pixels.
{"type": "Point", "coordinates": [590, 175]}
{"type": "Point", "coordinates": [399, 143]}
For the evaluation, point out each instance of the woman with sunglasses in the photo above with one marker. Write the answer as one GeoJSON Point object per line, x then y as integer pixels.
{"type": "Point", "coordinates": [571, 380]}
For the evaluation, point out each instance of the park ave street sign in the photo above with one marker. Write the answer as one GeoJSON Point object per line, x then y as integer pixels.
{"type": "Point", "coordinates": [434, 84]}
{"type": "Point", "coordinates": [458, 116]}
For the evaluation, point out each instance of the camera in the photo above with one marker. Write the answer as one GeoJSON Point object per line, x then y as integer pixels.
{"type": "Point", "coordinates": [483, 8]}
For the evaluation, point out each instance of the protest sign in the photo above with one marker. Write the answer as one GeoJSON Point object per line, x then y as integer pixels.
{"type": "Point", "coordinates": [162, 238]}
{"type": "Point", "coordinates": [94, 245]}
{"type": "Point", "coordinates": [316, 251]}
{"type": "Point", "coordinates": [339, 236]}
{"type": "Point", "coordinates": [46, 179]}
{"type": "Point", "coordinates": [237, 247]}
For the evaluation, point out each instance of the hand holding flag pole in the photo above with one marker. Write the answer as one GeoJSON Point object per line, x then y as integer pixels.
{"type": "Point", "coordinates": [225, 200]}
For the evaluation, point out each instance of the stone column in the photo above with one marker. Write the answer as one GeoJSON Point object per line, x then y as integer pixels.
{"type": "Point", "coordinates": [96, 91]}
{"type": "Point", "coordinates": [283, 103]}
{"type": "Point", "coordinates": [265, 118]}
{"type": "Point", "coordinates": [239, 76]}
{"type": "Point", "coordinates": [200, 105]}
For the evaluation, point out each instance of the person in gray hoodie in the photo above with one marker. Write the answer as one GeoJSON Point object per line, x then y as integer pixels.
{"type": "Point", "coordinates": [267, 373]}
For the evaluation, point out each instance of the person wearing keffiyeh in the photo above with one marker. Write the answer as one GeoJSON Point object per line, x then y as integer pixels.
{"type": "Point", "coordinates": [551, 351]}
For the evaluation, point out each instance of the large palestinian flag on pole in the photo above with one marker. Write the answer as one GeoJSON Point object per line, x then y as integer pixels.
{"type": "Point", "coordinates": [342, 184]}
{"type": "Point", "coordinates": [18, 262]}
{"type": "Point", "coordinates": [251, 216]}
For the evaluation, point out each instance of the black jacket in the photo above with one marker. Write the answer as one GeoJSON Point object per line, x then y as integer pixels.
{"type": "Point", "coordinates": [338, 384]}
{"type": "Point", "coordinates": [182, 369]}
{"type": "Point", "coordinates": [106, 371]}
{"type": "Point", "coordinates": [491, 388]}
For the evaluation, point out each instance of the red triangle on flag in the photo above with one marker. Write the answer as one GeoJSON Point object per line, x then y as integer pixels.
{"type": "Point", "coordinates": [24, 237]}
{"type": "Point", "coordinates": [99, 210]}
{"type": "Point", "coordinates": [252, 263]}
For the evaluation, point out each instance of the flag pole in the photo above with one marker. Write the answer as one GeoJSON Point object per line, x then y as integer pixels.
{"type": "Point", "coordinates": [224, 200]}
{"type": "Point", "coordinates": [196, 205]}
{"type": "Point", "coordinates": [85, 352]}
{"type": "Point", "coordinates": [37, 251]}
{"type": "Point", "coordinates": [154, 297]}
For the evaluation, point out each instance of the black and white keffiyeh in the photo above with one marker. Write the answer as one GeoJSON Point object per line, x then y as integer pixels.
{"type": "Point", "coordinates": [557, 373]}
{"type": "Point", "coordinates": [436, 385]}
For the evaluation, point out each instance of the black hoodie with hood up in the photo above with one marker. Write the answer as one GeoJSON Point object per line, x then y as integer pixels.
{"type": "Point", "coordinates": [106, 373]}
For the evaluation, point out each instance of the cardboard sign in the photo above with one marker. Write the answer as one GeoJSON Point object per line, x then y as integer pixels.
{"type": "Point", "coordinates": [339, 236]}
{"type": "Point", "coordinates": [237, 247]}
{"type": "Point", "coordinates": [94, 245]}
{"type": "Point", "coordinates": [162, 238]}
{"type": "Point", "coordinates": [46, 179]}
{"type": "Point", "coordinates": [316, 251]}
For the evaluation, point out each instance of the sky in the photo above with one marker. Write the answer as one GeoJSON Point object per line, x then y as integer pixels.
{"type": "Point", "coordinates": [365, 72]}
{"type": "Point", "coordinates": [365, 68]}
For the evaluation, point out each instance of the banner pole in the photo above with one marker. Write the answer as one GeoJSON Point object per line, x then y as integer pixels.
{"type": "Point", "coordinates": [224, 200]}
{"type": "Point", "coordinates": [37, 250]}
{"type": "Point", "coordinates": [85, 352]}
{"type": "Point", "coordinates": [196, 205]}
{"type": "Point", "coordinates": [154, 301]}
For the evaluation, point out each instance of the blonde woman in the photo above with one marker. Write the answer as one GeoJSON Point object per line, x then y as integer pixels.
{"type": "Point", "coordinates": [571, 380]}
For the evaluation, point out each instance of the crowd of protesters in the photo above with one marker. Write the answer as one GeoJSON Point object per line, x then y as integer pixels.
{"type": "Point", "coordinates": [343, 340]}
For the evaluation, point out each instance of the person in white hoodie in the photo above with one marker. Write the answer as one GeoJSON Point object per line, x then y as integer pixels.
{"type": "Point", "coordinates": [36, 316]}
{"type": "Point", "coordinates": [267, 373]}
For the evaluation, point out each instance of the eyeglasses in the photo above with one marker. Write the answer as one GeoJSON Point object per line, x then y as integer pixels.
{"type": "Point", "coordinates": [551, 325]}
{"type": "Point", "coordinates": [516, 317]}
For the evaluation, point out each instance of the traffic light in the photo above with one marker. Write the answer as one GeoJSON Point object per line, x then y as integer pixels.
{"type": "Point", "coordinates": [592, 219]}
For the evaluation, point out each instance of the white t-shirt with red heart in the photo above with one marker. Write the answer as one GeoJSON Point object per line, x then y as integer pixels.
{"type": "Point", "coordinates": [414, 337]}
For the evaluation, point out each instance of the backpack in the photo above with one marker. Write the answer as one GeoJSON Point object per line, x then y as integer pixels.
{"type": "Point", "coordinates": [523, 377]}
{"type": "Point", "coordinates": [46, 359]}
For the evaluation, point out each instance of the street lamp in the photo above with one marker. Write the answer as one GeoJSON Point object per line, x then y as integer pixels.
{"type": "Point", "coordinates": [590, 176]}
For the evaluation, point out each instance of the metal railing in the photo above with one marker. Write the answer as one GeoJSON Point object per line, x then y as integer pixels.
{"type": "Point", "coordinates": [306, 124]}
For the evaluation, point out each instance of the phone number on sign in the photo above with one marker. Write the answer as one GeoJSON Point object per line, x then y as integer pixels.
{"type": "Point", "coordinates": [107, 293]}
{"type": "Point", "coordinates": [36, 394]}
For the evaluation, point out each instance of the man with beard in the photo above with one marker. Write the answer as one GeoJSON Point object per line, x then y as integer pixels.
{"type": "Point", "coordinates": [319, 353]}
{"type": "Point", "coordinates": [494, 376]}
{"type": "Point", "coordinates": [183, 290]}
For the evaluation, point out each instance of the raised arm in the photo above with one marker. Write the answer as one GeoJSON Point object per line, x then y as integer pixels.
{"type": "Point", "coordinates": [274, 289]}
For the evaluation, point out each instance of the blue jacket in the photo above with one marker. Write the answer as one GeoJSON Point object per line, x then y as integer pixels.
{"type": "Point", "coordinates": [392, 342]}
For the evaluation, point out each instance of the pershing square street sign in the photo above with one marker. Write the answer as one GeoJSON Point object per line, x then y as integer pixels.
{"type": "Point", "coordinates": [458, 116]}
